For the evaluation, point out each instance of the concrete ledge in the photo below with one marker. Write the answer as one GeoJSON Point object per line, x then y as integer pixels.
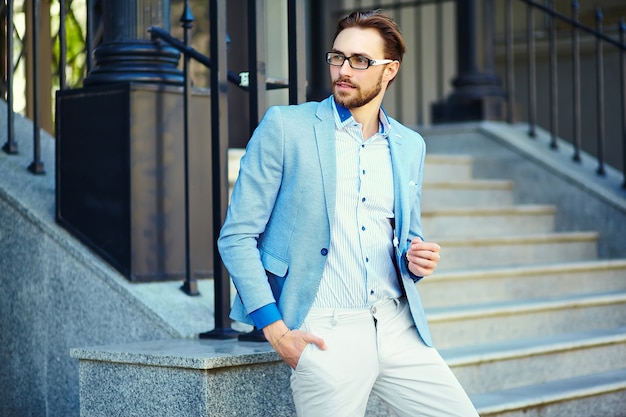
{"type": "Point", "coordinates": [185, 377]}
{"type": "Point", "coordinates": [188, 378]}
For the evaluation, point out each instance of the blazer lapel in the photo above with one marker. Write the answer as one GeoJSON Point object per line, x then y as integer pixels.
{"type": "Point", "coordinates": [325, 139]}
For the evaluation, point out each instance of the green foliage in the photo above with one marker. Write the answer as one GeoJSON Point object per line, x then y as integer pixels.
{"type": "Point", "coordinates": [76, 60]}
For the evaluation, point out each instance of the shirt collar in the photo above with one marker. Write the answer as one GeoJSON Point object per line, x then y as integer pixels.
{"type": "Point", "coordinates": [343, 116]}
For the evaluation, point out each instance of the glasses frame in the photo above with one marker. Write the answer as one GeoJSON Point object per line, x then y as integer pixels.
{"type": "Point", "coordinates": [370, 62]}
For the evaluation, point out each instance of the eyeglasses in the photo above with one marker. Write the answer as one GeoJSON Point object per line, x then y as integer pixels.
{"type": "Point", "coordinates": [357, 62]}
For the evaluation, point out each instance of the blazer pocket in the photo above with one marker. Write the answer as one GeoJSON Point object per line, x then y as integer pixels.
{"type": "Point", "coordinates": [274, 265]}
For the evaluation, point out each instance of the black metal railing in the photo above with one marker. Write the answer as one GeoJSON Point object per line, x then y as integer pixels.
{"type": "Point", "coordinates": [254, 82]}
{"type": "Point", "coordinates": [11, 145]}
{"type": "Point", "coordinates": [523, 94]}
{"type": "Point", "coordinates": [600, 39]}
{"type": "Point", "coordinates": [217, 66]}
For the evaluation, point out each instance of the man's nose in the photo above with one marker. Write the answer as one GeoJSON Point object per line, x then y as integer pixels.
{"type": "Point", "coordinates": [345, 68]}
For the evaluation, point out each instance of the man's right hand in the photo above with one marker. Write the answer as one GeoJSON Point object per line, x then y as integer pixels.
{"type": "Point", "coordinates": [289, 344]}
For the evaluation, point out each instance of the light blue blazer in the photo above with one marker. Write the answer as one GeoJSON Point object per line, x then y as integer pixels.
{"type": "Point", "coordinates": [276, 236]}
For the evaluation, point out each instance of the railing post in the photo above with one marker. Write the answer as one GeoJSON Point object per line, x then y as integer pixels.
{"type": "Point", "coordinates": [554, 82]}
{"type": "Point", "coordinates": [10, 145]}
{"type": "Point", "coordinates": [219, 146]}
{"type": "Point", "coordinates": [510, 68]}
{"type": "Point", "coordinates": [89, 35]}
{"type": "Point", "coordinates": [532, 74]}
{"type": "Point", "coordinates": [439, 24]}
{"type": "Point", "coordinates": [256, 62]}
{"type": "Point", "coordinates": [297, 52]}
{"type": "Point", "coordinates": [62, 45]}
{"type": "Point", "coordinates": [419, 72]}
{"type": "Point", "coordinates": [622, 54]}
{"type": "Point", "coordinates": [600, 92]}
{"type": "Point", "coordinates": [190, 286]}
{"type": "Point", "coordinates": [477, 93]}
{"type": "Point", "coordinates": [36, 167]}
{"type": "Point", "coordinates": [577, 141]}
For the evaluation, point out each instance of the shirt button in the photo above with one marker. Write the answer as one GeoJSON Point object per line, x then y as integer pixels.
{"type": "Point", "coordinates": [324, 251]}
{"type": "Point", "coordinates": [362, 227]}
{"type": "Point", "coordinates": [363, 199]}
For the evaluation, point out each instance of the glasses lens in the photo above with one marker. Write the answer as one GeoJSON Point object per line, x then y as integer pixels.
{"type": "Point", "coordinates": [359, 62]}
{"type": "Point", "coordinates": [335, 59]}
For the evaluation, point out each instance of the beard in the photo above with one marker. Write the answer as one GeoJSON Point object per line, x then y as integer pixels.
{"type": "Point", "coordinates": [361, 98]}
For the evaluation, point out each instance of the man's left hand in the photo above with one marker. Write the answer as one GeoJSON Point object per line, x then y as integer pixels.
{"type": "Point", "coordinates": [423, 257]}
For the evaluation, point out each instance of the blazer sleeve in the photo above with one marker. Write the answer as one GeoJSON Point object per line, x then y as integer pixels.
{"type": "Point", "coordinates": [251, 205]}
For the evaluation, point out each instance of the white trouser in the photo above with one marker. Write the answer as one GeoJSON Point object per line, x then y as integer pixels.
{"type": "Point", "coordinates": [373, 350]}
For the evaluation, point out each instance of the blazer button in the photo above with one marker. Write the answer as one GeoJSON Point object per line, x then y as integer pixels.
{"type": "Point", "coordinates": [324, 252]}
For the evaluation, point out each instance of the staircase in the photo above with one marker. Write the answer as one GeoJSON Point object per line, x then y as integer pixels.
{"type": "Point", "coordinates": [529, 312]}
{"type": "Point", "coordinates": [530, 320]}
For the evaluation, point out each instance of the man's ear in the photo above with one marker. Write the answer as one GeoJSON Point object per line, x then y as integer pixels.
{"type": "Point", "coordinates": [391, 70]}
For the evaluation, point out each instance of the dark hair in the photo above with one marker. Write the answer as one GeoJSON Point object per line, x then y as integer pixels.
{"type": "Point", "coordinates": [386, 26]}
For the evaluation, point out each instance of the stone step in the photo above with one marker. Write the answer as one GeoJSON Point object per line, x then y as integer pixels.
{"type": "Point", "coordinates": [497, 251]}
{"type": "Point", "coordinates": [488, 221]}
{"type": "Point", "coordinates": [529, 320]}
{"type": "Point", "coordinates": [448, 168]}
{"type": "Point", "coordinates": [449, 183]}
{"type": "Point", "coordinates": [476, 324]}
{"type": "Point", "coordinates": [523, 282]}
{"type": "Point", "coordinates": [597, 395]}
{"type": "Point", "coordinates": [475, 193]}
{"type": "Point", "coordinates": [537, 360]}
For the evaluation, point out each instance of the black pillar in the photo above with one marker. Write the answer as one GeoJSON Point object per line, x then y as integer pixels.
{"type": "Point", "coordinates": [319, 25]}
{"type": "Point", "coordinates": [122, 159]}
{"type": "Point", "coordinates": [126, 53]}
{"type": "Point", "coordinates": [477, 94]}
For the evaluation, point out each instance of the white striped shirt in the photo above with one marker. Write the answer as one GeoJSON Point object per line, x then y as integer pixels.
{"type": "Point", "coordinates": [360, 269]}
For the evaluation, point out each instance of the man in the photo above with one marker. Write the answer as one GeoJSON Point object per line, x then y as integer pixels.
{"type": "Point", "coordinates": [323, 241]}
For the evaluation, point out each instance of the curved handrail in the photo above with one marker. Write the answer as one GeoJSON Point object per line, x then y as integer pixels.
{"type": "Point", "coordinates": [231, 76]}
{"type": "Point", "coordinates": [575, 24]}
